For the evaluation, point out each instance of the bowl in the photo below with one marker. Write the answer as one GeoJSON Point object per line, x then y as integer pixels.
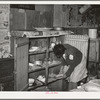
{"type": "Point", "coordinates": [32, 49]}
{"type": "Point", "coordinates": [31, 80]}
{"type": "Point", "coordinates": [58, 28]}
{"type": "Point", "coordinates": [38, 62]}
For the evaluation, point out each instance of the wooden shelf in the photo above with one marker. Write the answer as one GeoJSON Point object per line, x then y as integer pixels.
{"type": "Point", "coordinates": [81, 27]}
{"type": "Point", "coordinates": [54, 79]}
{"type": "Point", "coordinates": [51, 80]}
{"type": "Point", "coordinates": [39, 52]}
{"type": "Point", "coordinates": [43, 68]}
{"type": "Point", "coordinates": [46, 66]}
{"type": "Point", "coordinates": [37, 69]}
{"type": "Point", "coordinates": [34, 87]}
{"type": "Point", "coordinates": [43, 36]}
{"type": "Point", "coordinates": [54, 65]}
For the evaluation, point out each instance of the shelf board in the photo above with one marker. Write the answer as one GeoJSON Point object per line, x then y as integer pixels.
{"type": "Point", "coordinates": [45, 36]}
{"type": "Point", "coordinates": [39, 52]}
{"type": "Point", "coordinates": [51, 80]}
{"type": "Point", "coordinates": [34, 87]}
{"type": "Point", "coordinates": [81, 27]}
{"type": "Point", "coordinates": [37, 69]}
{"type": "Point", "coordinates": [43, 68]}
{"type": "Point", "coordinates": [54, 65]}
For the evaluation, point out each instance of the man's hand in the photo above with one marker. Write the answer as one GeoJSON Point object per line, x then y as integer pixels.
{"type": "Point", "coordinates": [65, 69]}
{"type": "Point", "coordinates": [66, 78]}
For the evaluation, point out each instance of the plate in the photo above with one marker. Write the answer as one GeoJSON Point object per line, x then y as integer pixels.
{"type": "Point", "coordinates": [43, 29]}
{"type": "Point", "coordinates": [31, 80]}
{"type": "Point", "coordinates": [58, 28]}
{"type": "Point", "coordinates": [32, 49]}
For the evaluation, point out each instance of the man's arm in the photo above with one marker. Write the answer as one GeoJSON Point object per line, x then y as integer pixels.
{"type": "Point", "coordinates": [70, 70]}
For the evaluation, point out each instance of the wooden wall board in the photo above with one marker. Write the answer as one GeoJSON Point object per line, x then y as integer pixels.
{"type": "Point", "coordinates": [32, 19]}
{"type": "Point", "coordinates": [57, 20]}
{"type": "Point", "coordinates": [17, 19]}
{"type": "Point", "coordinates": [21, 64]}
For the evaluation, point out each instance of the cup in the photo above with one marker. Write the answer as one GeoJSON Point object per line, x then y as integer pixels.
{"type": "Point", "coordinates": [52, 45]}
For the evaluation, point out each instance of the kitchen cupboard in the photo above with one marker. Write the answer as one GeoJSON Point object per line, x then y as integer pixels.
{"type": "Point", "coordinates": [22, 58]}
{"type": "Point", "coordinates": [45, 54]}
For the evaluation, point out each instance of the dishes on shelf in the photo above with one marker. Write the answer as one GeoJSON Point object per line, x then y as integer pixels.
{"type": "Point", "coordinates": [54, 63]}
{"type": "Point", "coordinates": [52, 75]}
{"type": "Point", "coordinates": [52, 45]}
{"type": "Point", "coordinates": [41, 78]}
{"type": "Point", "coordinates": [31, 81]}
{"type": "Point", "coordinates": [33, 67]}
{"type": "Point", "coordinates": [45, 64]}
{"type": "Point", "coordinates": [59, 76]}
{"type": "Point", "coordinates": [32, 49]}
{"type": "Point", "coordinates": [38, 63]}
{"type": "Point", "coordinates": [31, 64]}
{"type": "Point", "coordinates": [37, 50]}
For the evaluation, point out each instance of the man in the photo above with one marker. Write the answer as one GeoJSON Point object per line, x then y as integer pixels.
{"type": "Point", "coordinates": [70, 57]}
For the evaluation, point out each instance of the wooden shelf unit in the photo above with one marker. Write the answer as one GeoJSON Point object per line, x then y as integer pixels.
{"type": "Point", "coordinates": [22, 56]}
{"type": "Point", "coordinates": [46, 52]}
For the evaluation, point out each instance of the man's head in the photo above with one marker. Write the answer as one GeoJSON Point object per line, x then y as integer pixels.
{"type": "Point", "coordinates": [59, 50]}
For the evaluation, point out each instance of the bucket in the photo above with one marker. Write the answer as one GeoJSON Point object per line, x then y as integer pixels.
{"type": "Point", "coordinates": [92, 33]}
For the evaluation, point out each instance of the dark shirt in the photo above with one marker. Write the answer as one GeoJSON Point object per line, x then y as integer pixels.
{"type": "Point", "coordinates": [72, 61]}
